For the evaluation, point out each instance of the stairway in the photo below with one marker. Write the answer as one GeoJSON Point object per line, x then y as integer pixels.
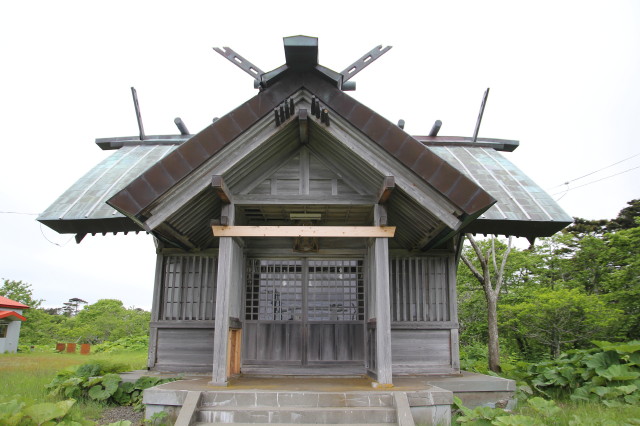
{"type": "Point", "coordinates": [286, 408]}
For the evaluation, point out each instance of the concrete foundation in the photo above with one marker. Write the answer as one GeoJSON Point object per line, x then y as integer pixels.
{"type": "Point", "coordinates": [346, 400]}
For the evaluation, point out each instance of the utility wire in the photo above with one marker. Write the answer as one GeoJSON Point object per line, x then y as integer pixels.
{"type": "Point", "coordinates": [594, 172]}
{"type": "Point", "coordinates": [52, 242]}
{"type": "Point", "coordinates": [26, 214]}
{"type": "Point", "coordinates": [594, 181]}
{"type": "Point", "coordinates": [599, 170]}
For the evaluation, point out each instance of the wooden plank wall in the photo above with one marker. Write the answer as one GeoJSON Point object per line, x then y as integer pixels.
{"type": "Point", "coordinates": [424, 322]}
{"type": "Point", "coordinates": [188, 288]}
{"type": "Point", "coordinates": [184, 309]}
{"type": "Point", "coordinates": [419, 289]}
{"type": "Point", "coordinates": [185, 349]}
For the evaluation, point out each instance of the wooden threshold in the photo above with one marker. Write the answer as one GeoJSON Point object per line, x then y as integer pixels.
{"type": "Point", "coordinates": [305, 231]}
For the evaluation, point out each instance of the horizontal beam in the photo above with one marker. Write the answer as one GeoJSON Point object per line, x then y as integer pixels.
{"type": "Point", "coordinates": [305, 231]}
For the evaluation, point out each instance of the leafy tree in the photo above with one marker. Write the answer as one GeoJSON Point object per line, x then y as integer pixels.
{"type": "Point", "coordinates": [108, 319]}
{"type": "Point", "coordinates": [561, 318]}
{"type": "Point", "coordinates": [491, 280]}
{"type": "Point", "coordinates": [20, 292]}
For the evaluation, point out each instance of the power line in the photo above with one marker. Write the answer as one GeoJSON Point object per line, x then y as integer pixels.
{"type": "Point", "coordinates": [26, 214]}
{"type": "Point", "coordinates": [594, 172]}
{"type": "Point", "coordinates": [594, 181]}
{"type": "Point", "coordinates": [54, 243]}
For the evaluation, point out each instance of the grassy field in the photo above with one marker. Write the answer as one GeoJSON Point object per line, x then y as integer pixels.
{"type": "Point", "coordinates": [24, 376]}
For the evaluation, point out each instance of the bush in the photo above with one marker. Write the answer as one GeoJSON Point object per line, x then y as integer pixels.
{"type": "Point", "coordinates": [135, 343]}
{"type": "Point", "coordinates": [98, 381]}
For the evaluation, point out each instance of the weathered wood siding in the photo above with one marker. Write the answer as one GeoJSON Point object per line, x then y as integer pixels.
{"type": "Point", "coordinates": [188, 288]}
{"type": "Point", "coordinates": [183, 314]}
{"type": "Point", "coordinates": [185, 349]}
{"type": "Point", "coordinates": [424, 323]}
{"type": "Point", "coordinates": [419, 289]}
{"type": "Point", "coordinates": [421, 351]}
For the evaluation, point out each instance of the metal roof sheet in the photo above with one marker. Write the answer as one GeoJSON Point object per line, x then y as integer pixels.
{"type": "Point", "coordinates": [5, 302]}
{"type": "Point", "coordinates": [523, 208]}
{"type": "Point", "coordinates": [82, 207]}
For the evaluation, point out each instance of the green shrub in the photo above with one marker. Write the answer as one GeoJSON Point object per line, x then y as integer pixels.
{"type": "Point", "coordinates": [608, 374]}
{"type": "Point", "coordinates": [134, 343]}
{"type": "Point", "coordinates": [98, 381]}
{"type": "Point", "coordinates": [17, 412]}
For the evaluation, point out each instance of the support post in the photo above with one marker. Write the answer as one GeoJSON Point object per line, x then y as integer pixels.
{"type": "Point", "coordinates": [383, 309]}
{"type": "Point", "coordinates": [227, 257]}
{"type": "Point", "coordinates": [155, 309]}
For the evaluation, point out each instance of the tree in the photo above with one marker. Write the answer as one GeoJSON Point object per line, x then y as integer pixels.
{"type": "Point", "coordinates": [561, 319]}
{"type": "Point", "coordinates": [19, 292]}
{"type": "Point", "coordinates": [71, 307]}
{"type": "Point", "coordinates": [491, 280]}
{"type": "Point", "coordinates": [108, 319]}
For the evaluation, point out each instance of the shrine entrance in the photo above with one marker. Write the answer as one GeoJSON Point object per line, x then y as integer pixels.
{"type": "Point", "coordinates": [304, 312]}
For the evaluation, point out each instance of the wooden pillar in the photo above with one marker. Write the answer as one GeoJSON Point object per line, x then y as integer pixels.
{"type": "Point", "coordinates": [227, 258]}
{"type": "Point", "coordinates": [383, 309]}
{"type": "Point", "coordinates": [155, 308]}
{"type": "Point", "coordinates": [453, 313]}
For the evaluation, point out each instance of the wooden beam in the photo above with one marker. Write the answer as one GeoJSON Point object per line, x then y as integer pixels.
{"type": "Point", "coordinates": [305, 231]}
{"type": "Point", "coordinates": [261, 200]}
{"type": "Point", "coordinates": [303, 123]}
{"type": "Point", "coordinates": [388, 185]}
{"type": "Point", "coordinates": [220, 188]}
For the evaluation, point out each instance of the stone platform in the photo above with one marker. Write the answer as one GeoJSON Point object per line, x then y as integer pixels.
{"type": "Point", "coordinates": [320, 400]}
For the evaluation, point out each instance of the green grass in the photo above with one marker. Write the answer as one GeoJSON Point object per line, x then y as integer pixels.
{"type": "Point", "coordinates": [576, 414]}
{"type": "Point", "coordinates": [25, 375]}
{"type": "Point", "coordinates": [590, 414]}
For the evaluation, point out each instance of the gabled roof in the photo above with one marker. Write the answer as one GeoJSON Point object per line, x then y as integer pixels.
{"type": "Point", "coordinates": [140, 194]}
{"type": "Point", "coordinates": [141, 176]}
{"type": "Point", "coordinates": [12, 304]}
{"type": "Point", "coordinates": [11, 315]}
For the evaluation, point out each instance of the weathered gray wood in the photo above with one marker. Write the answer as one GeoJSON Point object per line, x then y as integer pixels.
{"type": "Point", "coordinates": [226, 268]}
{"type": "Point", "coordinates": [185, 347]}
{"type": "Point", "coordinates": [236, 151]}
{"type": "Point", "coordinates": [405, 180]}
{"type": "Point", "coordinates": [455, 349]}
{"type": "Point", "coordinates": [421, 347]}
{"type": "Point", "coordinates": [388, 185]}
{"type": "Point", "coordinates": [155, 310]}
{"type": "Point", "coordinates": [451, 282]}
{"type": "Point", "coordinates": [348, 199]}
{"type": "Point", "coordinates": [220, 188]}
{"type": "Point", "coordinates": [183, 324]}
{"type": "Point", "coordinates": [423, 325]}
{"type": "Point", "coordinates": [383, 320]}
{"type": "Point", "coordinates": [304, 172]}
{"type": "Point", "coordinates": [187, 415]}
{"type": "Point", "coordinates": [186, 277]}
{"type": "Point", "coordinates": [403, 411]}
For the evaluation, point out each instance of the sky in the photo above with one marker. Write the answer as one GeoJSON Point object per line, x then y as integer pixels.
{"type": "Point", "coordinates": [563, 78]}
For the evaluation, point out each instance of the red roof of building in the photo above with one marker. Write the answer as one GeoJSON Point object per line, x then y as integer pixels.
{"type": "Point", "coordinates": [5, 314]}
{"type": "Point", "coordinates": [8, 303]}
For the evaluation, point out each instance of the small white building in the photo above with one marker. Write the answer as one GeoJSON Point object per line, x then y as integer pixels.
{"type": "Point", "coordinates": [10, 320]}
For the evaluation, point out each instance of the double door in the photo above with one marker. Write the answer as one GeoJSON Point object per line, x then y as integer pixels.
{"type": "Point", "coordinates": [304, 312]}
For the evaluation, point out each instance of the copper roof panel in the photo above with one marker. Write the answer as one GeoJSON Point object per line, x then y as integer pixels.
{"type": "Point", "coordinates": [85, 200]}
{"type": "Point", "coordinates": [521, 202]}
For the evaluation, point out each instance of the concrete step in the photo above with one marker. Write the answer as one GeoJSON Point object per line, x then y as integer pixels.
{"type": "Point", "coordinates": [296, 399]}
{"type": "Point", "coordinates": [289, 424]}
{"type": "Point", "coordinates": [297, 415]}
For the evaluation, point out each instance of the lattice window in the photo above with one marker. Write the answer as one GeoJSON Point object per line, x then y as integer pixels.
{"type": "Point", "coordinates": [336, 290]}
{"type": "Point", "coordinates": [189, 287]}
{"type": "Point", "coordinates": [274, 290]}
{"type": "Point", "coordinates": [419, 290]}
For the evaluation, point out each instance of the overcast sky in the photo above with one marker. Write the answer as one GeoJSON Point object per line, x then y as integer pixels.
{"type": "Point", "coordinates": [563, 78]}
